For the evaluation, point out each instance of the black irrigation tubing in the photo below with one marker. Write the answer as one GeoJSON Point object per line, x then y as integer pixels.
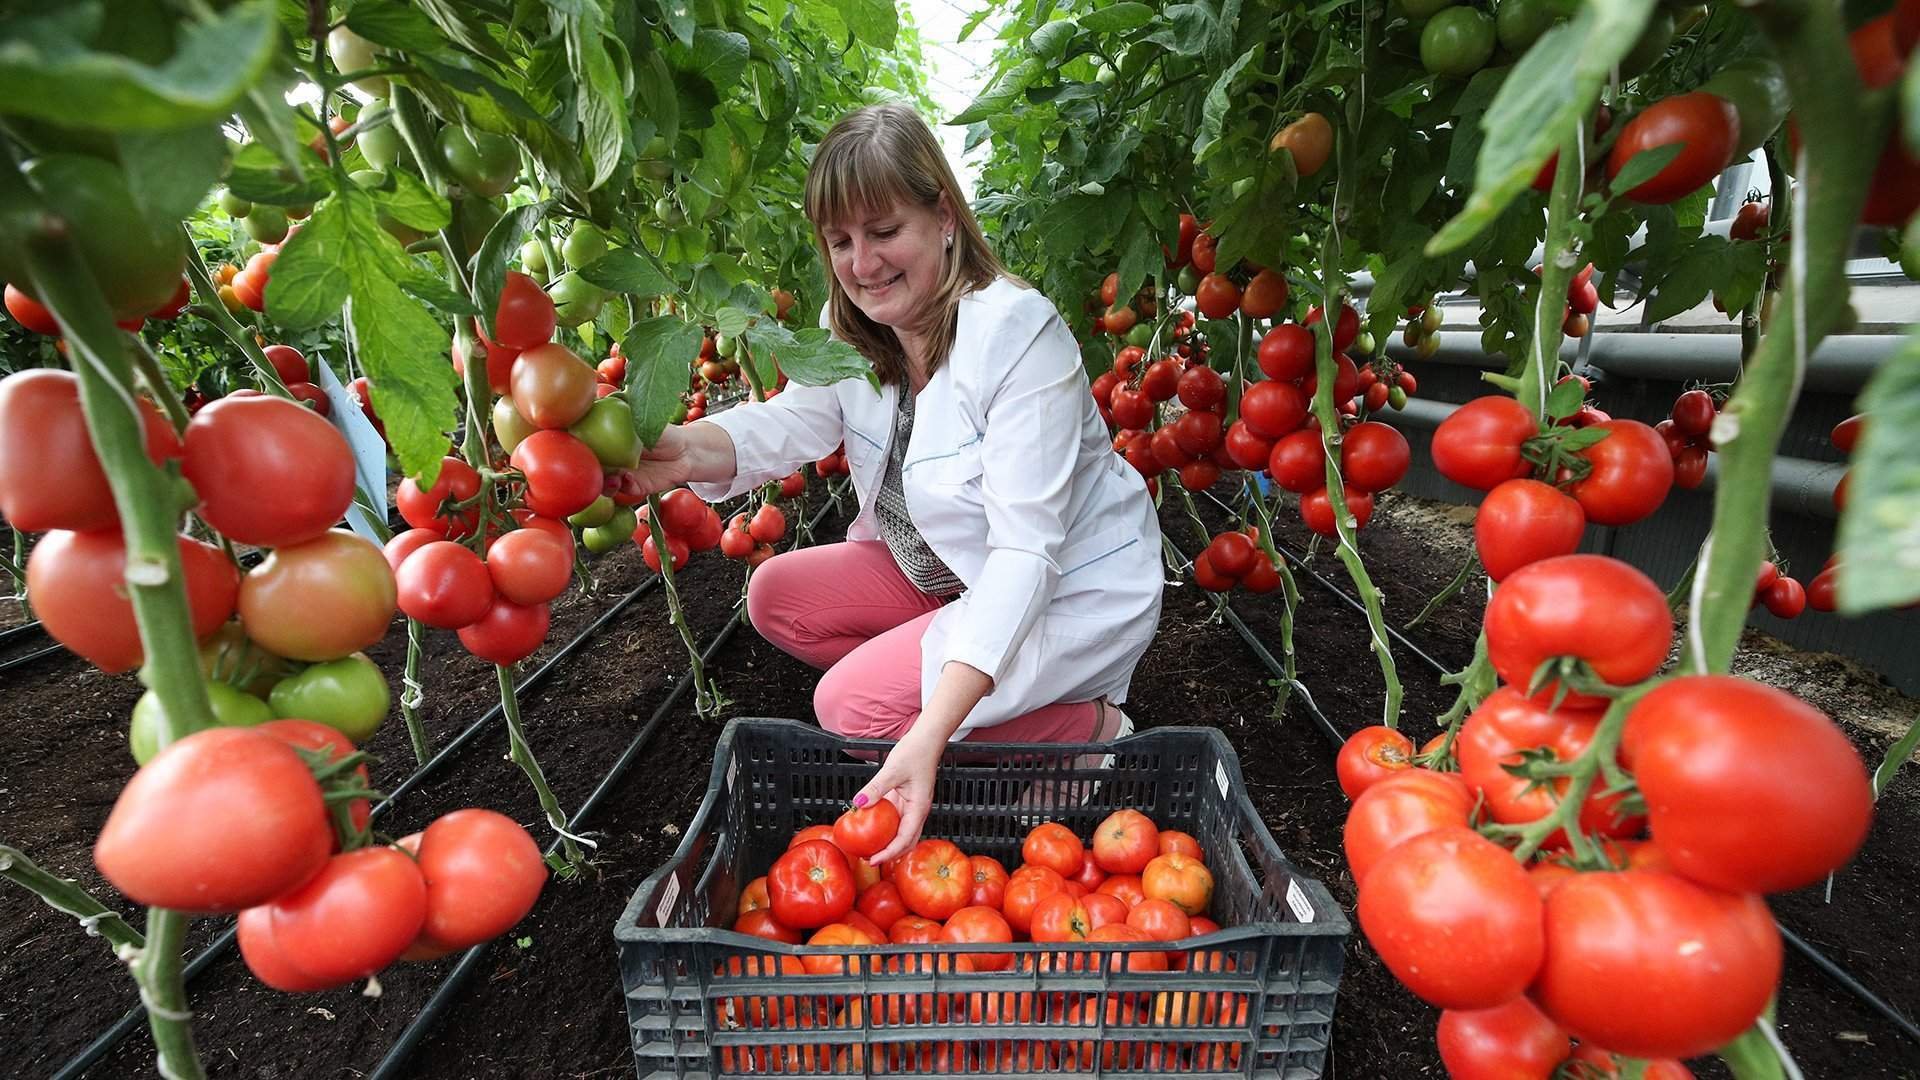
{"type": "Point", "coordinates": [22, 630]}
{"type": "Point", "coordinates": [1827, 966]}
{"type": "Point", "coordinates": [27, 658]}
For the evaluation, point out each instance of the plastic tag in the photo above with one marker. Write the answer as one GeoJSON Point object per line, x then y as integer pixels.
{"type": "Point", "coordinates": [669, 893]}
{"type": "Point", "coordinates": [1220, 777]}
{"type": "Point", "coordinates": [369, 449]}
{"type": "Point", "coordinates": [1297, 900]}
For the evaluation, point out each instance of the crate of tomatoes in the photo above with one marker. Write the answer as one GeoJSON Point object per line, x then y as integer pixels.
{"type": "Point", "coordinates": [1115, 909]}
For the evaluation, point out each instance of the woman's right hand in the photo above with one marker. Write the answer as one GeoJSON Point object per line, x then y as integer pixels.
{"type": "Point", "coordinates": [666, 464]}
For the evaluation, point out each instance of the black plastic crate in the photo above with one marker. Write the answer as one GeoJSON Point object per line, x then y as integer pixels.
{"type": "Point", "coordinates": [702, 1001]}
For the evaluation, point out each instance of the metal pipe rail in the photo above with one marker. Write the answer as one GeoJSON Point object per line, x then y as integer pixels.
{"type": "Point", "coordinates": [1842, 363]}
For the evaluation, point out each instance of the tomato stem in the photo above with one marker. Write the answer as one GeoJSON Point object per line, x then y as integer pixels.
{"type": "Point", "coordinates": [1448, 592]}
{"type": "Point", "coordinates": [707, 700]}
{"type": "Point", "coordinates": [410, 696]}
{"type": "Point", "coordinates": [522, 753]}
{"type": "Point", "coordinates": [1556, 272]}
{"type": "Point", "coordinates": [65, 895]}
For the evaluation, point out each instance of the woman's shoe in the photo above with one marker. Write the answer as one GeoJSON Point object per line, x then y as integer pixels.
{"type": "Point", "coordinates": [1047, 794]}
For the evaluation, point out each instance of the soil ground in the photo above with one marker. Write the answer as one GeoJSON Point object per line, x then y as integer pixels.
{"type": "Point", "coordinates": [546, 1000]}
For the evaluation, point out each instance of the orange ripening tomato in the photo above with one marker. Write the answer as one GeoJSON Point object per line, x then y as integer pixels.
{"type": "Point", "coordinates": [1181, 880]}
{"type": "Point", "coordinates": [1175, 842]}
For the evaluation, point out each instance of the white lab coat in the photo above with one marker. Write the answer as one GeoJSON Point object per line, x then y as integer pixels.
{"type": "Point", "coordinates": [1011, 478]}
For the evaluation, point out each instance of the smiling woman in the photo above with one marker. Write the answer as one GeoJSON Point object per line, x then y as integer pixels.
{"type": "Point", "coordinates": [1002, 577]}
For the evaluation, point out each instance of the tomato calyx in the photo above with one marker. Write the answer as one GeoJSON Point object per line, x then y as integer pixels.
{"type": "Point", "coordinates": [342, 784]}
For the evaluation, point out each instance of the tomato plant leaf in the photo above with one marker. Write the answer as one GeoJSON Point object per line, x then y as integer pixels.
{"type": "Point", "coordinates": [718, 56]}
{"type": "Point", "coordinates": [679, 19]}
{"type": "Point", "coordinates": [1188, 29]}
{"type": "Point", "coordinates": [653, 84]}
{"type": "Point", "coordinates": [1546, 94]}
{"type": "Point", "coordinates": [1643, 166]}
{"type": "Point", "coordinates": [731, 321]}
{"type": "Point", "coordinates": [1691, 277]}
{"type": "Point", "coordinates": [1050, 40]}
{"type": "Point", "coordinates": [459, 21]}
{"type": "Point", "coordinates": [258, 176]}
{"type": "Point", "coordinates": [48, 71]}
{"type": "Point", "coordinates": [169, 172]}
{"type": "Point", "coordinates": [657, 352]}
{"type": "Point", "coordinates": [810, 357]}
{"type": "Point", "coordinates": [599, 98]}
{"type": "Point", "coordinates": [1140, 257]}
{"type": "Point", "coordinates": [1117, 18]}
{"type": "Point", "coordinates": [1745, 273]}
{"type": "Point", "coordinates": [502, 243]}
{"type": "Point", "coordinates": [396, 26]}
{"type": "Point", "coordinates": [995, 99]}
{"type": "Point", "coordinates": [410, 203]}
{"type": "Point", "coordinates": [1896, 756]}
{"type": "Point", "coordinates": [1213, 110]}
{"type": "Point", "coordinates": [628, 272]}
{"type": "Point", "coordinates": [1880, 528]}
{"type": "Point", "coordinates": [432, 290]}
{"type": "Point", "coordinates": [309, 281]}
{"type": "Point", "coordinates": [1564, 399]}
{"type": "Point", "coordinates": [875, 22]}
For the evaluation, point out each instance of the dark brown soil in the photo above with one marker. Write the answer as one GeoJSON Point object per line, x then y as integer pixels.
{"type": "Point", "coordinates": [546, 999]}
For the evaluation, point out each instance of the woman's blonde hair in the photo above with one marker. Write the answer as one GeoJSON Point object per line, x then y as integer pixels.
{"type": "Point", "coordinates": [874, 159]}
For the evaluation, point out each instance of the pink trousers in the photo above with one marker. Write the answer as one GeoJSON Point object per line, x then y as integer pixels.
{"type": "Point", "coordinates": [847, 609]}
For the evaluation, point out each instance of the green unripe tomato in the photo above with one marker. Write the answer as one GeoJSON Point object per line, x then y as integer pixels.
{"type": "Point", "coordinates": [669, 212]}
{"type": "Point", "coordinates": [575, 299]}
{"type": "Point", "coordinates": [349, 695]}
{"type": "Point", "coordinates": [625, 520]}
{"type": "Point", "coordinates": [601, 539]}
{"type": "Point", "coordinates": [351, 53]}
{"type": "Point", "coordinates": [1189, 279]}
{"type": "Point", "coordinates": [679, 414]}
{"type": "Point", "coordinates": [1431, 320]}
{"type": "Point", "coordinates": [597, 513]}
{"type": "Point", "coordinates": [1364, 343]}
{"type": "Point", "coordinates": [1519, 23]}
{"type": "Point", "coordinates": [229, 656]}
{"type": "Point", "coordinates": [726, 345]}
{"type": "Point", "coordinates": [1457, 42]}
{"type": "Point", "coordinates": [607, 429]}
{"type": "Point", "coordinates": [1397, 398]}
{"type": "Point", "coordinates": [1910, 250]}
{"type": "Point", "coordinates": [656, 160]}
{"type": "Point", "coordinates": [232, 707]}
{"type": "Point", "coordinates": [508, 425]}
{"type": "Point", "coordinates": [533, 259]}
{"type": "Point", "coordinates": [136, 263]}
{"type": "Point", "coordinates": [1650, 46]}
{"type": "Point", "coordinates": [380, 145]}
{"type": "Point", "coordinates": [486, 164]}
{"type": "Point", "coordinates": [1141, 334]}
{"type": "Point", "coordinates": [585, 245]}
{"type": "Point", "coordinates": [234, 205]}
{"type": "Point", "coordinates": [267, 224]}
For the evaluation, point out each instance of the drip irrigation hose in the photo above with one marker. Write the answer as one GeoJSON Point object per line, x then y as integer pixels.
{"type": "Point", "coordinates": [22, 630]}
{"type": "Point", "coordinates": [27, 658]}
{"type": "Point", "coordinates": [1827, 966]}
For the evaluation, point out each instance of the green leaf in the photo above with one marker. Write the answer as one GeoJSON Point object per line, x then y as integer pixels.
{"type": "Point", "coordinates": [1547, 93]}
{"type": "Point", "coordinates": [629, 272]}
{"type": "Point", "coordinates": [1693, 275]}
{"type": "Point", "coordinates": [657, 351]}
{"type": "Point", "coordinates": [1117, 18]}
{"type": "Point", "coordinates": [1644, 166]}
{"type": "Point", "coordinates": [1213, 111]}
{"type": "Point", "coordinates": [170, 171]}
{"type": "Point", "coordinates": [1746, 273]}
{"type": "Point", "coordinates": [502, 243]}
{"type": "Point", "coordinates": [1009, 86]}
{"type": "Point", "coordinates": [395, 26]}
{"type": "Point", "coordinates": [732, 321]}
{"type": "Point", "coordinates": [874, 22]}
{"type": "Point", "coordinates": [810, 357]}
{"type": "Point", "coordinates": [258, 176]}
{"type": "Point", "coordinates": [600, 99]}
{"type": "Point", "coordinates": [1896, 756]}
{"type": "Point", "coordinates": [657, 95]}
{"type": "Point", "coordinates": [48, 73]}
{"type": "Point", "coordinates": [433, 290]}
{"type": "Point", "coordinates": [1139, 258]}
{"type": "Point", "coordinates": [410, 203]}
{"type": "Point", "coordinates": [1050, 40]}
{"type": "Point", "coordinates": [719, 56]}
{"type": "Point", "coordinates": [1187, 30]}
{"type": "Point", "coordinates": [1111, 154]}
{"type": "Point", "coordinates": [1880, 528]}
{"type": "Point", "coordinates": [679, 18]}
{"type": "Point", "coordinates": [1565, 399]}
{"type": "Point", "coordinates": [309, 282]}
{"type": "Point", "coordinates": [1582, 438]}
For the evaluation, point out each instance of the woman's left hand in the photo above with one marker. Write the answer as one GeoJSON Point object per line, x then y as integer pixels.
{"type": "Point", "coordinates": [906, 777]}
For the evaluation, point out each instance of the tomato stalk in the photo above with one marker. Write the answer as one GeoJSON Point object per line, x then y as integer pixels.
{"type": "Point", "coordinates": [707, 700]}
{"type": "Point", "coordinates": [66, 895]}
{"type": "Point", "coordinates": [13, 565]}
{"type": "Point", "coordinates": [411, 696]}
{"type": "Point", "coordinates": [1290, 599]}
{"type": "Point", "coordinates": [150, 503]}
{"type": "Point", "coordinates": [1580, 774]}
{"type": "Point", "coordinates": [1834, 165]}
{"type": "Point", "coordinates": [1449, 591]}
{"type": "Point", "coordinates": [755, 391]}
{"type": "Point", "coordinates": [522, 753]}
{"type": "Point", "coordinates": [1475, 682]}
{"type": "Point", "coordinates": [1556, 273]}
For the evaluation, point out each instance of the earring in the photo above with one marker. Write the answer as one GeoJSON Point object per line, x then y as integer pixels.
{"type": "Point", "coordinates": [949, 241]}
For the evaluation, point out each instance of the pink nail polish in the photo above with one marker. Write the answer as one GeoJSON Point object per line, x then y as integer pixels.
{"type": "Point", "coordinates": [860, 802]}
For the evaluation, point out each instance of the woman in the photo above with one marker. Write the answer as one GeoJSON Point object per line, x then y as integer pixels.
{"type": "Point", "coordinates": [1002, 577]}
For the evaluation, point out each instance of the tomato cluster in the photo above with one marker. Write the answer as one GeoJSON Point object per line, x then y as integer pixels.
{"type": "Point", "coordinates": [690, 525]}
{"type": "Point", "coordinates": [1129, 398]}
{"type": "Point", "coordinates": [1133, 884]}
{"type": "Point", "coordinates": [752, 538]}
{"type": "Point", "coordinates": [1422, 332]}
{"type": "Point", "coordinates": [1646, 934]}
{"type": "Point", "coordinates": [1236, 558]}
{"type": "Point", "coordinates": [1687, 431]}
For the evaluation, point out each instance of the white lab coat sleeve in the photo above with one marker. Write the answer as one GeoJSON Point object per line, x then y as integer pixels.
{"type": "Point", "coordinates": [773, 438]}
{"type": "Point", "coordinates": [1028, 452]}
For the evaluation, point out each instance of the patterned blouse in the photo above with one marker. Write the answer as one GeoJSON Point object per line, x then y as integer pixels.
{"type": "Point", "coordinates": [910, 551]}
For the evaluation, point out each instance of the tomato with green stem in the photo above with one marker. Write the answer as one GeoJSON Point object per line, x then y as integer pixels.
{"type": "Point", "coordinates": [486, 164]}
{"type": "Point", "coordinates": [1505, 728]}
{"type": "Point", "coordinates": [1521, 522]}
{"type": "Point", "coordinates": [1630, 473]}
{"type": "Point", "coordinates": [563, 475]}
{"type": "Point", "coordinates": [1703, 126]}
{"type": "Point", "coordinates": [422, 509]}
{"type": "Point", "coordinates": [1479, 444]}
{"type": "Point", "coordinates": [1592, 608]}
{"type": "Point", "coordinates": [50, 477]}
{"type": "Point", "coordinates": [1455, 919]}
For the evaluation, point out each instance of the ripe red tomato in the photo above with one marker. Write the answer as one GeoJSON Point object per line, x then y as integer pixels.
{"type": "Point", "coordinates": [861, 833]}
{"type": "Point", "coordinates": [1272, 409]}
{"type": "Point", "coordinates": [935, 879]}
{"type": "Point", "coordinates": [219, 821]}
{"type": "Point", "coordinates": [1703, 125]}
{"type": "Point", "coordinates": [1162, 379]}
{"type": "Point", "coordinates": [1232, 554]}
{"type": "Point", "coordinates": [1165, 445]}
{"type": "Point", "coordinates": [1604, 1065]}
{"type": "Point", "coordinates": [1201, 388]}
{"type": "Point", "coordinates": [1632, 472]}
{"type": "Point", "coordinates": [1181, 880]}
{"type": "Point", "coordinates": [1142, 961]}
{"type": "Point", "coordinates": [1785, 598]}
{"type": "Point", "coordinates": [289, 364]}
{"type": "Point", "coordinates": [1160, 920]}
{"type": "Point", "coordinates": [530, 566]}
{"type": "Point", "coordinates": [1217, 296]}
{"type": "Point", "coordinates": [1455, 918]}
{"type": "Point", "coordinates": [681, 512]}
{"type": "Point", "coordinates": [1131, 408]}
{"type": "Point", "coordinates": [79, 589]}
{"type": "Point", "coordinates": [1298, 462]}
{"type": "Point", "coordinates": [31, 313]}
{"type": "Point", "coordinates": [1286, 352]}
{"type": "Point", "coordinates": [483, 873]}
{"type": "Point", "coordinates": [1316, 510]}
{"type": "Point", "coordinates": [1508, 724]}
{"type": "Point", "coordinates": [444, 585]}
{"type": "Point", "coordinates": [1125, 842]}
{"type": "Point", "coordinates": [319, 600]}
{"type": "Point", "coordinates": [881, 903]}
{"type": "Point", "coordinates": [810, 885]}
{"type": "Point", "coordinates": [1055, 847]}
{"type": "Point", "coordinates": [563, 475]}
{"type": "Point", "coordinates": [976, 925]}
{"type": "Point", "coordinates": [1398, 808]}
{"type": "Point", "coordinates": [1345, 331]}
{"type": "Point", "coordinates": [406, 543]}
{"type": "Point", "coordinates": [264, 958]}
{"type": "Point", "coordinates": [768, 524]}
{"type": "Point", "coordinates": [761, 923]}
{"type": "Point", "coordinates": [552, 387]}
{"type": "Point", "coordinates": [1478, 444]}
{"type": "Point", "coordinates": [50, 477]}
{"type": "Point", "coordinates": [1175, 842]}
{"type": "Point", "coordinates": [1124, 888]}
{"type": "Point", "coordinates": [1591, 607]}
{"type": "Point", "coordinates": [1747, 787]}
{"type": "Point", "coordinates": [1266, 294]}
{"type": "Point", "coordinates": [1374, 456]}
{"type": "Point", "coordinates": [1514, 1041]}
{"type": "Point", "coordinates": [1524, 521]}
{"type": "Point", "coordinates": [1061, 917]}
{"type": "Point", "coordinates": [1653, 965]}
{"type": "Point", "coordinates": [1369, 756]}
{"type": "Point", "coordinates": [457, 482]}
{"type": "Point", "coordinates": [1244, 448]}
{"type": "Point", "coordinates": [1025, 892]}
{"type": "Point", "coordinates": [508, 633]}
{"type": "Point", "coordinates": [525, 316]}
{"type": "Point", "coordinates": [989, 881]}
{"type": "Point", "coordinates": [268, 472]}
{"type": "Point", "coordinates": [1845, 435]}
{"type": "Point", "coordinates": [1689, 467]}
{"type": "Point", "coordinates": [356, 916]}
{"type": "Point", "coordinates": [1693, 413]}
{"type": "Point", "coordinates": [677, 550]}
{"type": "Point", "coordinates": [500, 360]}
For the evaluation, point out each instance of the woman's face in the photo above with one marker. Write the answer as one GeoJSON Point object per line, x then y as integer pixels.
{"type": "Point", "coordinates": [889, 262]}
